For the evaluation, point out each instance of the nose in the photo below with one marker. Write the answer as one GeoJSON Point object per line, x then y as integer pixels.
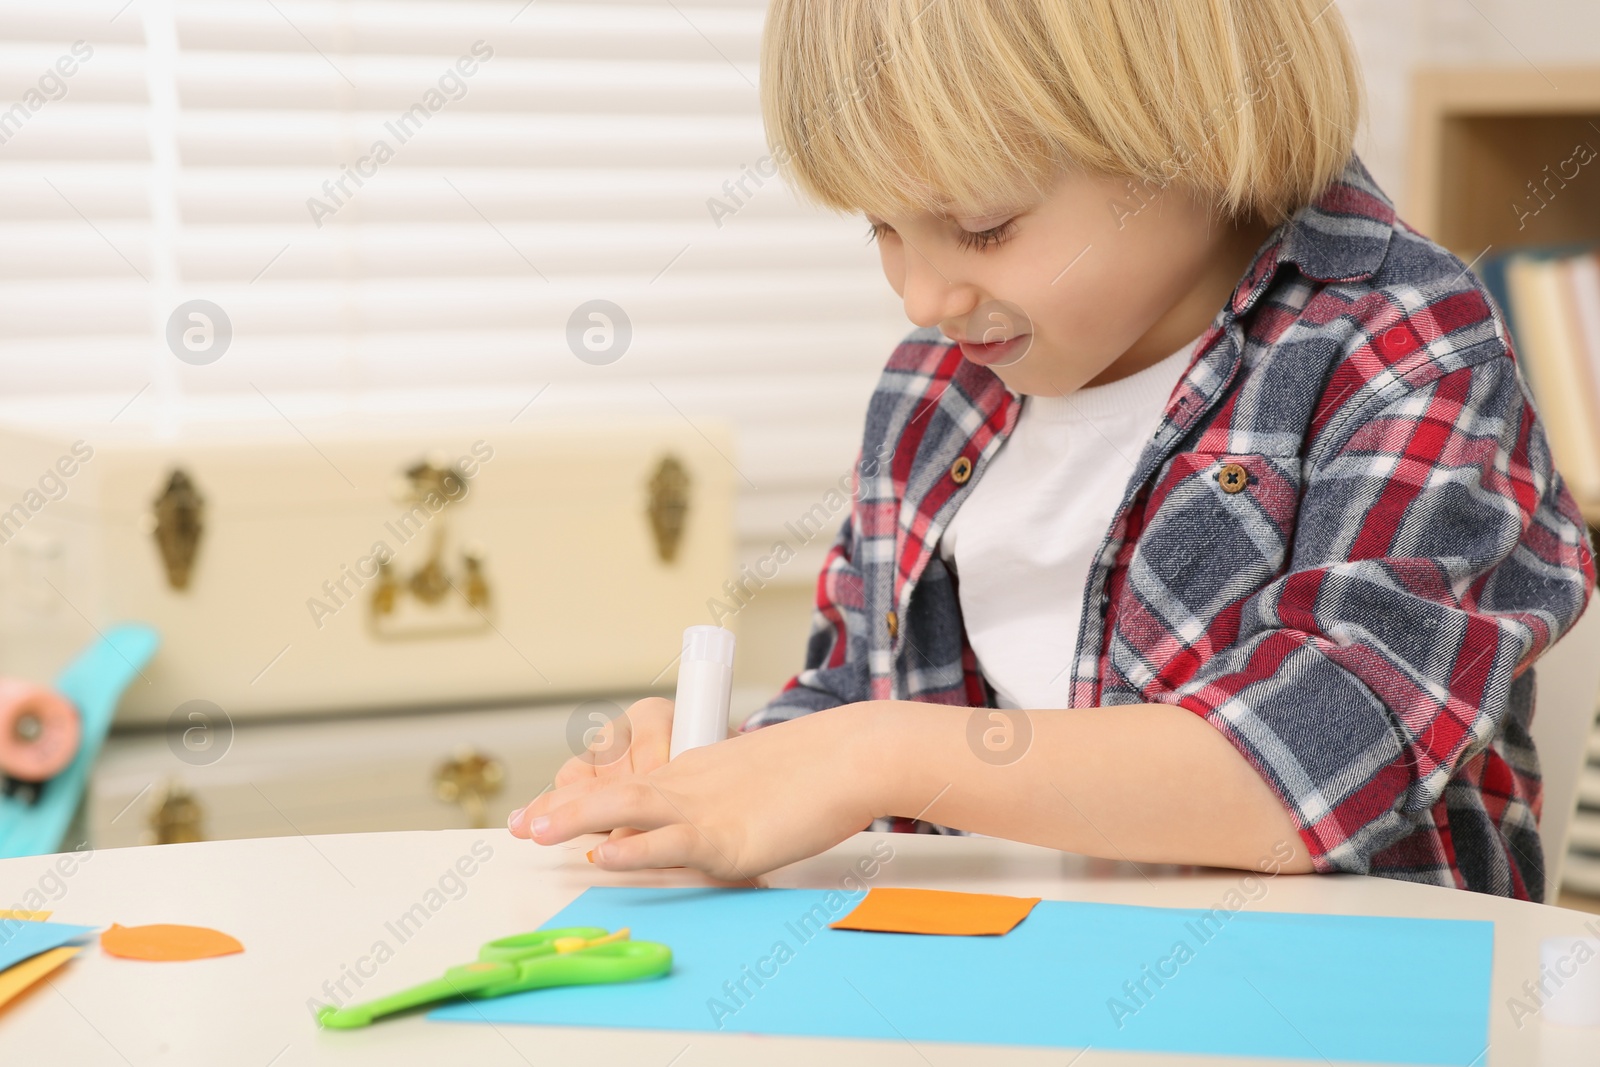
{"type": "Point", "coordinates": [930, 296]}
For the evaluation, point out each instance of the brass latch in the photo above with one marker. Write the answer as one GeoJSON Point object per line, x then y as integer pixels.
{"type": "Point", "coordinates": [177, 816]}
{"type": "Point", "coordinates": [430, 582]}
{"type": "Point", "coordinates": [430, 488]}
{"type": "Point", "coordinates": [179, 514]}
{"type": "Point", "coordinates": [425, 477]}
{"type": "Point", "coordinates": [469, 779]}
{"type": "Point", "coordinates": [668, 507]}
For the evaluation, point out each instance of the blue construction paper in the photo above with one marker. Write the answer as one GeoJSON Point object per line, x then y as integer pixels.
{"type": "Point", "coordinates": [1336, 987]}
{"type": "Point", "coordinates": [21, 940]}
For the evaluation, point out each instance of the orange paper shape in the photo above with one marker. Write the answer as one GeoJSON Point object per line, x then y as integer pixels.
{"type": "Point", "coordinates": [936, 911]}
{"type": "Point", "coordinates": [166, 941]}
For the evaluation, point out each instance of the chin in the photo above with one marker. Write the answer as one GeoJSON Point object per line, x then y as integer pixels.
{"type": "Point", "coordinates": [1028, 381]}
{"type": "Point", "coordinates": [1030, 388]}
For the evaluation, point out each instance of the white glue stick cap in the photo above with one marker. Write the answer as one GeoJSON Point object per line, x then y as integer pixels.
{"type": "Point", "coordinates": [705, 686]}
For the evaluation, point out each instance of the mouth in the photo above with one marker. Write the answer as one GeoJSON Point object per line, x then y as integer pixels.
{"type": "Point", "coordinates": [992, 353]}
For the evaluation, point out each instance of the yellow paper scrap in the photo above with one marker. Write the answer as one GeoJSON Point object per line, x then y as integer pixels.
{"type": "Point", "coordinates": [15, 979]}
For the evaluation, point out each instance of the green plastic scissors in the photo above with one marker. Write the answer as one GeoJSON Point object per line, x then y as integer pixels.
{"type": "Point", "coordinates": [572, 955]}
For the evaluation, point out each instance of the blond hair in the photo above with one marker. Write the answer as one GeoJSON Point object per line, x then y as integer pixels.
{"type": "Point", "coordinates": [895, 106]}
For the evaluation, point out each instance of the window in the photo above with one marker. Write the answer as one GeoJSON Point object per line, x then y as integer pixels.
{"type": "Point", "coordinates": [402, 204]}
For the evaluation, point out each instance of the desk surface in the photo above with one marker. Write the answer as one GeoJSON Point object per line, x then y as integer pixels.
{"type": "Point", "coordinates": [308, 909]}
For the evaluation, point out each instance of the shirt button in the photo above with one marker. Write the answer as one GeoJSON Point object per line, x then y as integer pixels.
{"type": "Point", "coordinates": [894, 624]}
{"type": "Point", "coordinates": [1233, 477]}
{"type": "Point", "coordinates": [961, 470]}
{"type": "Point", "coordinates": [1397, 341]}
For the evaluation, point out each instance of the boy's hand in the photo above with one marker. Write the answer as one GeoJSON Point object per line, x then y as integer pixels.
{"type": "Point", "coordinates": [733, 810]}
{"type": "Point", "coordinates": [635, 742]}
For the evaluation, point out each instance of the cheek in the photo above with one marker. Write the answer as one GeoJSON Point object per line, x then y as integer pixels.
{"type": "Point", "coordinates": [1167, 243]}
{"type": "Point", "coordinates": [1073, 312]}
{"type": "Point", "coordinates": [1092, 311]}
{"type": "Point", "coordinates": [1122, 286]}
{"type": "Point", "coordinates": [1057, 302]}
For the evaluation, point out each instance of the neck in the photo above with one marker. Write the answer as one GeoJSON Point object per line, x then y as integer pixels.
{"type": "Point", "coordinates": [1235, 250]}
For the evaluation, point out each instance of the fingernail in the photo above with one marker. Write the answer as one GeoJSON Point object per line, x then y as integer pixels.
{"type": "Point", "coordinates": [538, 826]}
{"type": "Point", "coordinates": [515, 820]}
{"type": "Point", "coordinates": [602, 851]}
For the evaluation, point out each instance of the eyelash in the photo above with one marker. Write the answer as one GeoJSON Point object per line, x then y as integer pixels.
{"type": "Point", "coordinates": [979, 239]}
{"type": "Point", "coordinates": [982, 239]}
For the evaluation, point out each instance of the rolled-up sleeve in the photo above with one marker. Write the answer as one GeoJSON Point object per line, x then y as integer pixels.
{"type": "Point", "coordinates": [1436, 555]}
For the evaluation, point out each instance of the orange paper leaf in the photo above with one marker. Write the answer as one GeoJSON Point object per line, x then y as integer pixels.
{"type": "Point", "coordinates": [936, 911]}
{"type": "Point", "coordinates": [166, 941]}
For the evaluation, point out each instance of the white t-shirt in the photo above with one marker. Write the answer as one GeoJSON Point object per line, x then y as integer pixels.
{"type": "Point", "coordinates": [1022, 541]}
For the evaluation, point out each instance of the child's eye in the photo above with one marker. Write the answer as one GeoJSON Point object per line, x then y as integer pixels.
{"type": "Point", "coordinates": [981, 239]}
{"type": "Point", "coordinates": [877, 231]}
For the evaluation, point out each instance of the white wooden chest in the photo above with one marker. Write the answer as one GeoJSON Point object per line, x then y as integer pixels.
{"type": "Point", "coordinates": [327, 566]}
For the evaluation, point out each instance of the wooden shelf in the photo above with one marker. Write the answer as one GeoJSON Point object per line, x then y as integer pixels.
{"type": "Point", "coordinates": [1480, 135]}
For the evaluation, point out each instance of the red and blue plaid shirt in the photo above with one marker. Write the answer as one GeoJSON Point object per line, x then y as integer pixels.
{"type": "Point", "coordinates": [1358, 619]}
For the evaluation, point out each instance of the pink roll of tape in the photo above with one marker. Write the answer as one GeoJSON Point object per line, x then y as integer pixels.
{"type": "Point", "coordinates": [39, 731]}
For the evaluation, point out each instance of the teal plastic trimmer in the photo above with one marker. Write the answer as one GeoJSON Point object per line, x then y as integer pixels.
{"type": "Point", "coordinates": [93, 683]}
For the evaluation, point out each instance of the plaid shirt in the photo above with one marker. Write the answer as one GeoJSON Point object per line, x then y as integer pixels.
{"type": "Point", "coordinates": [1343, 548]}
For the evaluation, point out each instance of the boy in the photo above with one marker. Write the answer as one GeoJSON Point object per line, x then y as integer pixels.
{"type": "Point", "coordinates": [1127, 574]}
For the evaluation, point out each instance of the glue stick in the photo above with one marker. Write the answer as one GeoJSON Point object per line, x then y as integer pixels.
{"type": "Point", "coordinates": [705, 684]}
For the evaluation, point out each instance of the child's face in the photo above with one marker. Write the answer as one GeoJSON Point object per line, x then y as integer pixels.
{"type": "Point", "coordinates": [1086, 285]}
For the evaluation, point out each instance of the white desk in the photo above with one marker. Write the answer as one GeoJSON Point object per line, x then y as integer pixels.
{"type": "Point", "coordinates": [306, 907]}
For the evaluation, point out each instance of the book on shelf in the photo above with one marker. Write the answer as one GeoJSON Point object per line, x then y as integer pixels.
{"type": "Point", "coordinates": [1550, 298]}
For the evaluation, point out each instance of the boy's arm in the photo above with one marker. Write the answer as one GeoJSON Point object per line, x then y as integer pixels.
{"type": "Point", "coordinates": [1137, 782]}
{"type": "Point", "coordinates": [1437, 556]}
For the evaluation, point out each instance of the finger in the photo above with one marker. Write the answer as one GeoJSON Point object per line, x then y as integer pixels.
{"type": "Point", "coordinates": [576, 769]}
{"type": "Point", "coordinates": [553, 794]}
{"type": "Point", "coordinates": [598, 806]}
{"type": "Point", "coordinates": [652, 733]}
{"type": "Point", "coordinates": [517, 821]}
{"type": "Point", "coordinates": [678, 845]}
{"type": "Point", "coordinates": [667, 846]}
{"type": "Point", "coordinates": [609, 751]}
{"type": "Point", "coordinates": [616, 835]}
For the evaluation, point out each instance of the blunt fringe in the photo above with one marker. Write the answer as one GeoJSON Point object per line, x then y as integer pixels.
{"type": "Point", "coordinates": [900, 106]}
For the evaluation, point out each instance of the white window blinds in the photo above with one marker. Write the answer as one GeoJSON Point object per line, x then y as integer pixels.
{"type": "Point", "coordinates": [75, 199]}
{"type": "Point", "coordinates": [401, 203]}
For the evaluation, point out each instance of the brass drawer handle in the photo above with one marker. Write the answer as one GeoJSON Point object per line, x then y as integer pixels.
{"type": "Point", "coordinates": [176, 817]}
{"type": "Point", "coordinates": [178, 516]}
{"type": "Point", "coordinates": [470, 779]}
{"type": "Point", "coordinates": [668, 506]}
